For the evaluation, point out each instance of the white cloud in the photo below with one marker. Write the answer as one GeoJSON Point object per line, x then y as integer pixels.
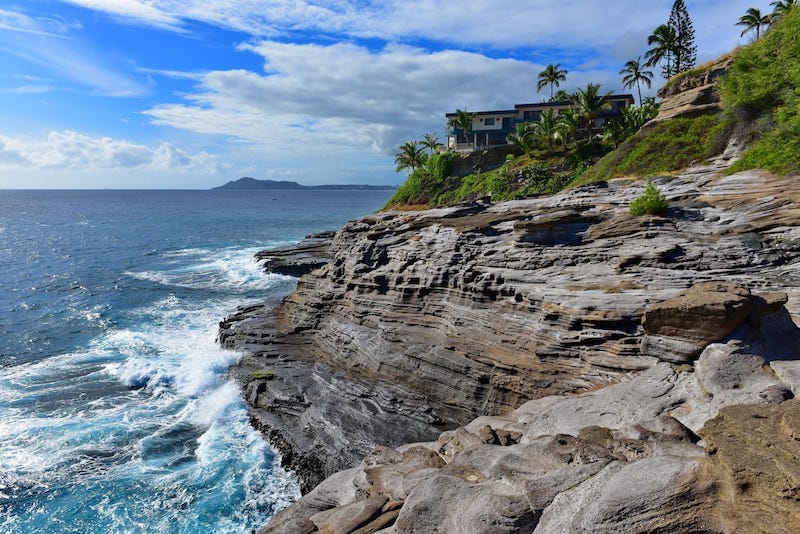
{"type": "Point", "coordinates": [68, 150]}
{"type": "Point", "coordinates": [500, 24]}
{"type": "Point", "coordinates": [146, 12]}
{"type": "Point", "coordinates": [66, 58]}
{"type": "Point", "coordinates": [16, 22]}
{"type": "Point", "coordinates": [32, 89]}
{"type": "Point", "coordinates": [344, 96]}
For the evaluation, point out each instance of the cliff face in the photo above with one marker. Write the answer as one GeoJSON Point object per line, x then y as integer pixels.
{"type": "Point", "coordinates": [422, 321]}
{"type": "Point", "coordinates": [659, 354]}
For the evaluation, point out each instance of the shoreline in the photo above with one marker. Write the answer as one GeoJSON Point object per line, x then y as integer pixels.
{"type": "Point", "coordinates": [422, 322]}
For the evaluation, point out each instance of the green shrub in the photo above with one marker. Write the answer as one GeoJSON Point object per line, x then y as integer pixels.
{"type": "Point", "coordinates": [439, 165]}
{"type": "Point", "coordinates": [424, 184]}
{"type": "Point", "coordinates": [650, 202]}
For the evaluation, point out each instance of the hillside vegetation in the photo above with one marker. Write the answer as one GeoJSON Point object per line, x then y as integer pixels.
{"type": "Point", "coordinates": [762, 94]}
{"type": "Point", "coordinates": [760, 105]}
{"type": "Point", "coordinates": [760, 100]}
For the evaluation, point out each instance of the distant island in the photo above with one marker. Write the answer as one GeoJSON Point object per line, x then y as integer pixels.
{"type": "Point", "coordinates": [252, 183]}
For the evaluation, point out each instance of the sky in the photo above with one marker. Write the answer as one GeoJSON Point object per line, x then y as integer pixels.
{"type": "Point", "coordinates": [188, 94]}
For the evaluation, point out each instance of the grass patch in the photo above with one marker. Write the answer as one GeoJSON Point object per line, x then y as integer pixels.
{"type": "Point", "coordinates": [762, 91]}
{"type": "Point", "coordinates": [663, 148]}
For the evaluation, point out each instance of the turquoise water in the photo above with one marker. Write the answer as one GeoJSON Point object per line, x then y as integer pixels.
{"type": "Point", "coordinates": [115, 411]}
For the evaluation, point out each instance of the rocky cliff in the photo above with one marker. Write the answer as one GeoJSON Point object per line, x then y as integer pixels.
{"type": "Point", "coordinates": [423, 321]}
{"type": "Point", "coordinates": [652, 349]}
{"type": "Point", "coordinates": [551, 364]}
{"type": "Point", "coordinates": [694, 92]}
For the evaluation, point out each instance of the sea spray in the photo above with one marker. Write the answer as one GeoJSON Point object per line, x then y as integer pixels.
{"type": "Point", "coordinates": [116, 414]}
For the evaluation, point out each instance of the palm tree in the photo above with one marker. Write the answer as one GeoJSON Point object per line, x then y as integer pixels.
{"type": "Point", "coordinates": [548, 129]}
{"type": "Point", "coordinates": [665, 44]}
{"type": "Point", "coordinates": [462, 121]}
{"type": "Point", "coordinates": [431, 142]}
{"type": "Point", "coordinates": [589, 103]}
{"type": "Point", "coordinates": [561, 96]}
{"type": "Point", "coordinates": [753, 20]}
{"type": "Point", "coordinates": [522, 137]}
{"type": "Point", "coordinates": [411, 156]}
{"type": "Point", "coordinates": [552, 75]}
{"type": "Point", "coordinates": [635, 74]}
{"type": "Point", "coordinates": [780, 8]}
{"type": "Point", "coordinates": [569, 121]}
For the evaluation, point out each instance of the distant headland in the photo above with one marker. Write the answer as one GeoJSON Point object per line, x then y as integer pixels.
{"type": "Point", "coordinates": [252, 183]}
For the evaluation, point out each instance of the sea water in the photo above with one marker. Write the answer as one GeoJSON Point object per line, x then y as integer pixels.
{"type": "Point", "coordinates": [115, 411]}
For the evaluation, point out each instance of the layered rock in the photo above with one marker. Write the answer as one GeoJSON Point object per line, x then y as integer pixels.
{"type": "Point", "coordinates": [423, 321]}
{"type": "Point", "coordinates": [693, 93]}
{"type": "Point", "coordinates": [296, 260]}
{"type": "Point", "coordinates": [627, 458]}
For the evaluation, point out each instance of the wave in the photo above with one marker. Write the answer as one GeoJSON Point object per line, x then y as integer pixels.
{"type": "Point", "coordinates": [228, 270]}
{"type": "Point", "coordinates": [140, 429]}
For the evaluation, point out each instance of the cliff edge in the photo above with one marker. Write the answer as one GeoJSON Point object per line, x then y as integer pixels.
{"type": "Point", "coordinates": [552, 364]}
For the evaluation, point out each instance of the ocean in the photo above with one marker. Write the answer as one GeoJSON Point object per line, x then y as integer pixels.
{"type": "Point", "coordinates": [115, 411]}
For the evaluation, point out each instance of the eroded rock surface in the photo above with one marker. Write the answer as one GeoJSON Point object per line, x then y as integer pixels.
{"type": "Point", "coordinates": [692, 94]}
{"type": "Point", "coordinates": [299, 259]}
{"type": "Point", "coordinates": [626, 458]}
{"type": "Point", "coordinates": [423, 321]}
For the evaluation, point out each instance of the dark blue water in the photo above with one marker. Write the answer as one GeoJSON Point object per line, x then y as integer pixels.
{"type": "Point", "coordinates": [115, 413]}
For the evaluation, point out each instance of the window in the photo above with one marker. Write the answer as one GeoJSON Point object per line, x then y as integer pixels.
{"type": "Point", "coordinates": [489, 121]}
{"type": "Point", "coordinates": [531, 116]}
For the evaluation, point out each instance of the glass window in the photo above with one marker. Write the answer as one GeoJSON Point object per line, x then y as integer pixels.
{"type": "Point", "coordinates": [489, 121]}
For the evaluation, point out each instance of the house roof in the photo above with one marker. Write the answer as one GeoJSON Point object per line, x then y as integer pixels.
{"type": "Point", "coordinates": [479, 113]}
{"type": "Point", "coordinates": [545, 104]}
{"type": "Point", "coordinates": [557, 103]}
{"type": "Point", "coordinates": [540, 105]}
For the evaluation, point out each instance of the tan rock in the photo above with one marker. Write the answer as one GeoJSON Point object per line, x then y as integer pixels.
{"type": "Point", "coordinates": [754, 453]}
{"type": "Point", "coordinates": [346, 519]}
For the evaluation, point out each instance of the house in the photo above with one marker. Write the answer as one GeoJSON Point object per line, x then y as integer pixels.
{"type": "Point", "coordinates": [490, 128]}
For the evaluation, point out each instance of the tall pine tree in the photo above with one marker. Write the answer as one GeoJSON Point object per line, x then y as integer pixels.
{"type": "Point", "coordinates": [685, 54]}
{"type": "Point", "coordinates": [673, 43]}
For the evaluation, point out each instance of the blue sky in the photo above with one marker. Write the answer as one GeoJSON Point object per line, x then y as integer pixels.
{"type": "Point", "coordinates": [193, 93]}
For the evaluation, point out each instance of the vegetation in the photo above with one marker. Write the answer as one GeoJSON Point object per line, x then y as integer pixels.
{"type": "Point", "coordinates": [673, 43]}
{"type": "Point", "coordinates": [589, 103]}
{"type": "Point", "coordinates": [425, 183]}
{"type": "Point", "coordinates": [411, 156]}
{"type": "Point", "coordinates": [759, 97]}
{"type": "Point", "coordinates": [635, 74]}
{"type": "Point", "coordinates": [782, 8]}
{"type": "Point", "coordinates": [519, 180]}
{"type": "Point", "coordinates": [552, 152]}
{"type": "Point", "coordinates": [431, 142]}
{"type": "Point", "coordinates": [523, 137]}
{"type": "Point", "coordinates": [462, 121]}
{"type": "Point", "coordinates": [754, 20]}
{"type": "Point", "coordinates": [685, 54]}
{"type": "Point", "coordinates": [631, 120]}
{"type": "Point", "coordinates": [663, 148]}
{"type": "Point", "coordinates": [760, 93]}
{"type": "Point", "coordinates": [552, 75]}
{"type": "Point", "coordinates": [650, 202]}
